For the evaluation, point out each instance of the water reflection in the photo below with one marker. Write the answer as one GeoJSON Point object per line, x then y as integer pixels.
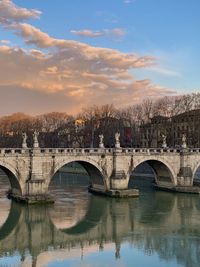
{"type": "Point", "coordinates": [158, 228]}
{"type": "Point", "coordinates": [4, 202]}
{"type": "Point", "coordinates": [70, 202]}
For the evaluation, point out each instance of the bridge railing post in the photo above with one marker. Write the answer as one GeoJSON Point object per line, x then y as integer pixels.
{"type": "Point", "coordinates": [2, 151]}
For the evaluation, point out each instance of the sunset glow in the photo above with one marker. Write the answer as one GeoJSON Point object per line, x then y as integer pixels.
{"type": "Point", "coordinates": [53, 59]}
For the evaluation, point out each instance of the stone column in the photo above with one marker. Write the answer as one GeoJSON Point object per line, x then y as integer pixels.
{"type": "Point", "coordinates": [184, 177]}
{"type": "Point", "coordinates": [119, 179]}
{"type": "Point", "coordinates": [120, 176]}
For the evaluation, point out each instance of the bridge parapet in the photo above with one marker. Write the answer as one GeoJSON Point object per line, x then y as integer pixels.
{"type": "Point", "coordinates": [4, 151]}
{"type": "Point", "coordinates": [150, 150]}
{"type": "Point", "coordinates": [10, 151]}
{"type": "Point", "coordinates": [76, 150]}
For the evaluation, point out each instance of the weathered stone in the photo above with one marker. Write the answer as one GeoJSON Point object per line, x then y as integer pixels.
{"type": "Point", "coordinates": [30, 170]}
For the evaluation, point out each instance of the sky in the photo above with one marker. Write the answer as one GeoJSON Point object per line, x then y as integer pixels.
{"type": "Point", "coordinates": [66, 55]}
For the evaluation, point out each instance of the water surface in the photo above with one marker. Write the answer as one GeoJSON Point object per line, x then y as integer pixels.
{"type": "Point", "coordinates": [156, 229]}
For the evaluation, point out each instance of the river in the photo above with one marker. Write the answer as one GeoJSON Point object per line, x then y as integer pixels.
{"type": "Point", "coordinates": [157, 229]}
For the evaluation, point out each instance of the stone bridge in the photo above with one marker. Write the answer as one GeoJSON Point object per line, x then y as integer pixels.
{"type": "Point", "coordinates": [30, 170]}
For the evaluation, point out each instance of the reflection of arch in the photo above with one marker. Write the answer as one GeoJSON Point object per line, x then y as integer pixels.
{"type": "Point", "coordinates": [95, 211]}
{"type": "Point", "coordinates": [92, 168]}
{"type": "Point", "coordinates": [162, 170]}
{"type": "Point", "coordinates": [11, 221]}
{"type": "Point", "coordinates": [12, 176]}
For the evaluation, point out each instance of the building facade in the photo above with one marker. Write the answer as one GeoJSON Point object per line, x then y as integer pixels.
{"type": "Point", "coordinates": [173, 128]}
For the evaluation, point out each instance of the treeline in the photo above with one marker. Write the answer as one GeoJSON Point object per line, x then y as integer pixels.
{"type": "Point", "coordinates": [58, 129]}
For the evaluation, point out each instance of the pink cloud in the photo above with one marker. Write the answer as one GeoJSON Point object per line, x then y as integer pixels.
{"type": "Point", "coordinates": [9, 12]}
{"type": "Point", "coordinates": [79, 73]}
{"type": "Point", "coordinates": [80, 80]}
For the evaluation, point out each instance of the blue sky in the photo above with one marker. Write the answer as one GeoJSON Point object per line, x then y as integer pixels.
{"type": "Point", "coordinates": [167, 31]}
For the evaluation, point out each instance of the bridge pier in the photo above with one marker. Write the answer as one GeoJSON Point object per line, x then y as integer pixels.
{"type": "Point", "coordinates": [120, 178]}
{"type": "Point", "coordinates": [36, 193]}
{"type": "Point", "coordinates": [184, 179]}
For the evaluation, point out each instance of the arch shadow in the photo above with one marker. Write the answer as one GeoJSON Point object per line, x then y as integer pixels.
{"type": "Point", "coordinates": [196, 175]}
{"type": "Point", "coordinates": [14, 183]}
{"type": "Point", "coordinates": [162, 173]}
{"type": "Point", "coordinates": [96, 177]}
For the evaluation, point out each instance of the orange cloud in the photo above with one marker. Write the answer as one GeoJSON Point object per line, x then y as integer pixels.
{"type": "Point", "coordinates": [114, 58]}
{"type": "Point", "coordinates": [79, 73]}
{"type": "Point", "coordinates": [9, 12]}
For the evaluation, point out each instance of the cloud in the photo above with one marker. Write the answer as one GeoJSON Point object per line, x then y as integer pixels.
{"type": "Point", "coordinates": [116, 32]}
{"type": "Point", "coordinates": [77, 68]}
{"type": "Point", "coordinates": [34, 102]}
{"type": "Point", "coordinates": [67, 71]}
{"type": "Point", "coordinates": [103, 57]}
{"type": "Point", "coordinates": [9, 12]}
{"type": "Point", "coordinates": [4, 42]}
{"type": "Point", "coordinates": [72, 79]}
{"type": "Point", "coordinates": [87, 33]}
{"type": "Point", "coordinates": [164, 71]}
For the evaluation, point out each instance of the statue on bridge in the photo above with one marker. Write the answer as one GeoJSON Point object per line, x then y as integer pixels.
{"type": "Point", "coordinates": [24, 141]}
{"type": "Point", "coordinates": [117, 142]}
{"type": "Point", "coordinates": [35, 139]}
{"type": "Point", "coordinates": [101, 144]}
{"type": "Point", "coordinates": [164, 143]}
{"type": "Point", "coordinates": [184, 139]}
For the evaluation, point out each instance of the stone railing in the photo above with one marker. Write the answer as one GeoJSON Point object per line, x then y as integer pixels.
{"type": "Point", "coordinates": [4, 151]}
{"type": "Point", "coordinates": [76, 150]}
{"type": "Point", "coordinates": [10, 151]}
{"type": "Point", "coordinates": [160, 150]}
{"type": "Point", "coordinates": [150, 150]}
{"type": "Point", "coordinates": [13, 151]}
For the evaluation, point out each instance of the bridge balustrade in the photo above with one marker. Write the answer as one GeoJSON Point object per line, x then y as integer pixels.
{"type": "Point", "coordinates": [13, 151]}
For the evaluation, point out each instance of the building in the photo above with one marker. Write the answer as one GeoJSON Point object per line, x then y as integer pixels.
{"type": "Point", "coordinates": [187, 123]}
{"type": "Point", "coordinates": [151, 133]}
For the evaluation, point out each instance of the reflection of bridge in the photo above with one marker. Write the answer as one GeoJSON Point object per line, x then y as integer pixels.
{"type": "Point", "coordinates": [30, 170]}
{"type": "Point", "coordinates": [30, 227]}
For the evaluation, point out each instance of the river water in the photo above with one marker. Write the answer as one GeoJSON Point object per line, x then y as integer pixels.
{"type": "Point", "coordinates": [155, 230]}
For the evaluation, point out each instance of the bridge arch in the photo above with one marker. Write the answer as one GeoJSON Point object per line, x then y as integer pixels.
{"type": "Point", "coordinates": [163, 172]}
{"type": "Point", "coordinates": [96, 174]}
{"type": "Point", "coordinates": [195, 169]}
{"type": "Point", "coordinates": [12, 177]}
